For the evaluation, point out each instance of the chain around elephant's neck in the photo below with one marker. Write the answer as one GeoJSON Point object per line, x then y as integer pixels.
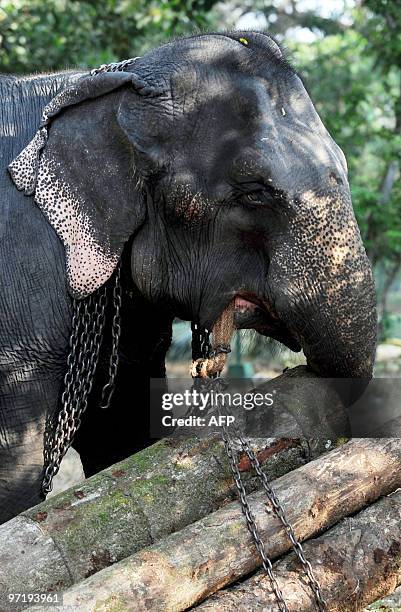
{"type": "Point", "coordinates": [114, 66]}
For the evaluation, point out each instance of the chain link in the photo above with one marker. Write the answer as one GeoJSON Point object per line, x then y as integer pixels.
{"type": "Point", "coordinates": [220, 384]}
{"type": "Point", "coordinates": [108, 389]}
{"type": "Point", "coordinates": [114, 66]}
{"type": "Point", "coordinates": [85, 340]}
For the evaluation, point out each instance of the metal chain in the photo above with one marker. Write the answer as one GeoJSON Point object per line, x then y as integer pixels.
{"type": "Point", "coordinates": [279, 511]}
{"type": "Point", "coordinates": [271, 495]}
{"type": "Point", "coordinates": [84, 347]}
{"type": "Point", "coordinates": [114, 66]}
{"type": "Point", "coordinates": [85, 340]}
{"type": "Point", "coordinates": [250, 520]}
{"type": "Point", "coordinates": [108, 389]}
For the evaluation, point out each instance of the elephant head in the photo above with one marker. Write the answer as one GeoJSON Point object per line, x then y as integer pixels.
{"type": "Point", "coordinates": [209, 153]}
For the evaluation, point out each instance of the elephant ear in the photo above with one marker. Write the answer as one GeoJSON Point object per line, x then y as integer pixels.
{"type": "Point", "coordinates": [80, 171]}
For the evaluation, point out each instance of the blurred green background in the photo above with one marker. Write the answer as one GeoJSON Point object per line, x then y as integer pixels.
{"type": "Point", "coordinates": [348, 53]}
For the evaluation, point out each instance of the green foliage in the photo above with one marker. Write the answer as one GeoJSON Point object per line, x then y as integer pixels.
{"type": "Point", "coordinates": [42, 35]}
{"type": "Point", "coordinates": [383, 32]}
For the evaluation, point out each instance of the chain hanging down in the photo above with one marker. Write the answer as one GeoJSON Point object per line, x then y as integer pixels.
{"type": "Point", "coordinates": [200, 340]}
{"type": "Point", "coordinates": [85, 340]}
{"type": "Point", "coordinates": [108, 388]}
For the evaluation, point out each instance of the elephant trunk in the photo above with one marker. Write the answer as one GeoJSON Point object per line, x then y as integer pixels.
{"type": "Point", "coordinates": [339, 340]}
{"type": "Point", "coordinates": [327, 299]}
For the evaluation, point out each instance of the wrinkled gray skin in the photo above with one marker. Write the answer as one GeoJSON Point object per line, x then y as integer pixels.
{"type": "Point", "coordinates": [225, 183]}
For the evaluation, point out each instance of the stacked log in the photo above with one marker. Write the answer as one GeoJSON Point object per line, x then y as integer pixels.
{"type": "Point", "coordinates": [140, 500]}
{"type": "Point", "coordinates": [159, 531]}
{"type": "Point", "coordinates": [188, 566]}
{"type": "Point", "coordinates": [355, 562]}
{"type": "Point", "coordinates": [126, 508]}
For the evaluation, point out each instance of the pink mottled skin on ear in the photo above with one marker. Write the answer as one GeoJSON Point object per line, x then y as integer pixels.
{"type": "Point", "coordinates": [89, 266]}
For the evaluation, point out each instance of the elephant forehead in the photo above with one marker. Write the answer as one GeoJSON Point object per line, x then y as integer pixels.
{"type": "Point", "coordinates": [248, 124]}
{"type": "Point", "coordinates": [206, 94]}
{"type": "Point", "coordinates": [218, 93]}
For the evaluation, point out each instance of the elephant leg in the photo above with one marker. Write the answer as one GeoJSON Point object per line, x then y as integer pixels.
{"type": "Point", "coordinates": [26, 397]}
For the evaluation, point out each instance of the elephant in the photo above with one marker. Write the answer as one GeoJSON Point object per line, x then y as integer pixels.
{"type": "Point", "coordinates": [205, 170]}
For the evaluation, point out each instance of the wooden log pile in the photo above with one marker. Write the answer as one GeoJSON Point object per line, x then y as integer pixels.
{"type": "Point", "coordinates": [164, 531]}
{"type": "Point", "coordinates": [355, 562]}
{"type": "Point", "coordinates": [128, 507]}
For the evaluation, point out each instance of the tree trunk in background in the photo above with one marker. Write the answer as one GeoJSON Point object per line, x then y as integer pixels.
{"type": "Point", "coordinates": [388, 181]}
{"type": "Point", "coordinates": [390, 177]}
{"type": "Point", "coordinates": [390, 277]}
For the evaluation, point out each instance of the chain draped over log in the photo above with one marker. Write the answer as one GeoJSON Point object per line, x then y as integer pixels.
{"type": "Point", "coordinates": [356, 562]}
{"type": "Point", "coordinates": [188, 566]}
{"type": "Point", "coordinates": [129, 506]}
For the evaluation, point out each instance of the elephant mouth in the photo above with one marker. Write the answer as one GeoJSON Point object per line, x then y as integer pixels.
{"type": "Point", "coordinates": [252, 313]}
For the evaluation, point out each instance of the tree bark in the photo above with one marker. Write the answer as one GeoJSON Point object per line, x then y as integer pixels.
{"type": "Point", "coordinates": [390, 276]}
{"type": "Point", "coordinates": [355, 562]}
{"type": "Point", "coordinates": [391, 602]}
{"type": "Point", "coordinates": [127, 507]}
{"type": "Point", "coordinates": [156, 492]}
{"type": "Point", "coordinates": [388, 182]}
{"type": "Point", "coordinates": [188, 566]}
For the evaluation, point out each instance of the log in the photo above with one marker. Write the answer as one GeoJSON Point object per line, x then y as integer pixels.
{"type": "Point", "coordinates": [304, 406]}
{"type": "Point", "coordinates": [81, 531]}
{"type": "Point", "coordinates": [186, 567]}
{"type": "Point", "coordinates": [127, 507]}
{"type": "Point", "coordinates": [387, 603]}
{"type": "Point", "coordinates": [355, 562]}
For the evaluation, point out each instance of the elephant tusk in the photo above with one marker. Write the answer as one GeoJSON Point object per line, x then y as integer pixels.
{"type": "Point", "coordinates": [222, 332]}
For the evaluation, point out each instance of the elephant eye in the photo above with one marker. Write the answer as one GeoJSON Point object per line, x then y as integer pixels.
{"type": "Point", "coordinates": [255, 198]}
{"type": "Point", "coordinates": [259, 195]}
